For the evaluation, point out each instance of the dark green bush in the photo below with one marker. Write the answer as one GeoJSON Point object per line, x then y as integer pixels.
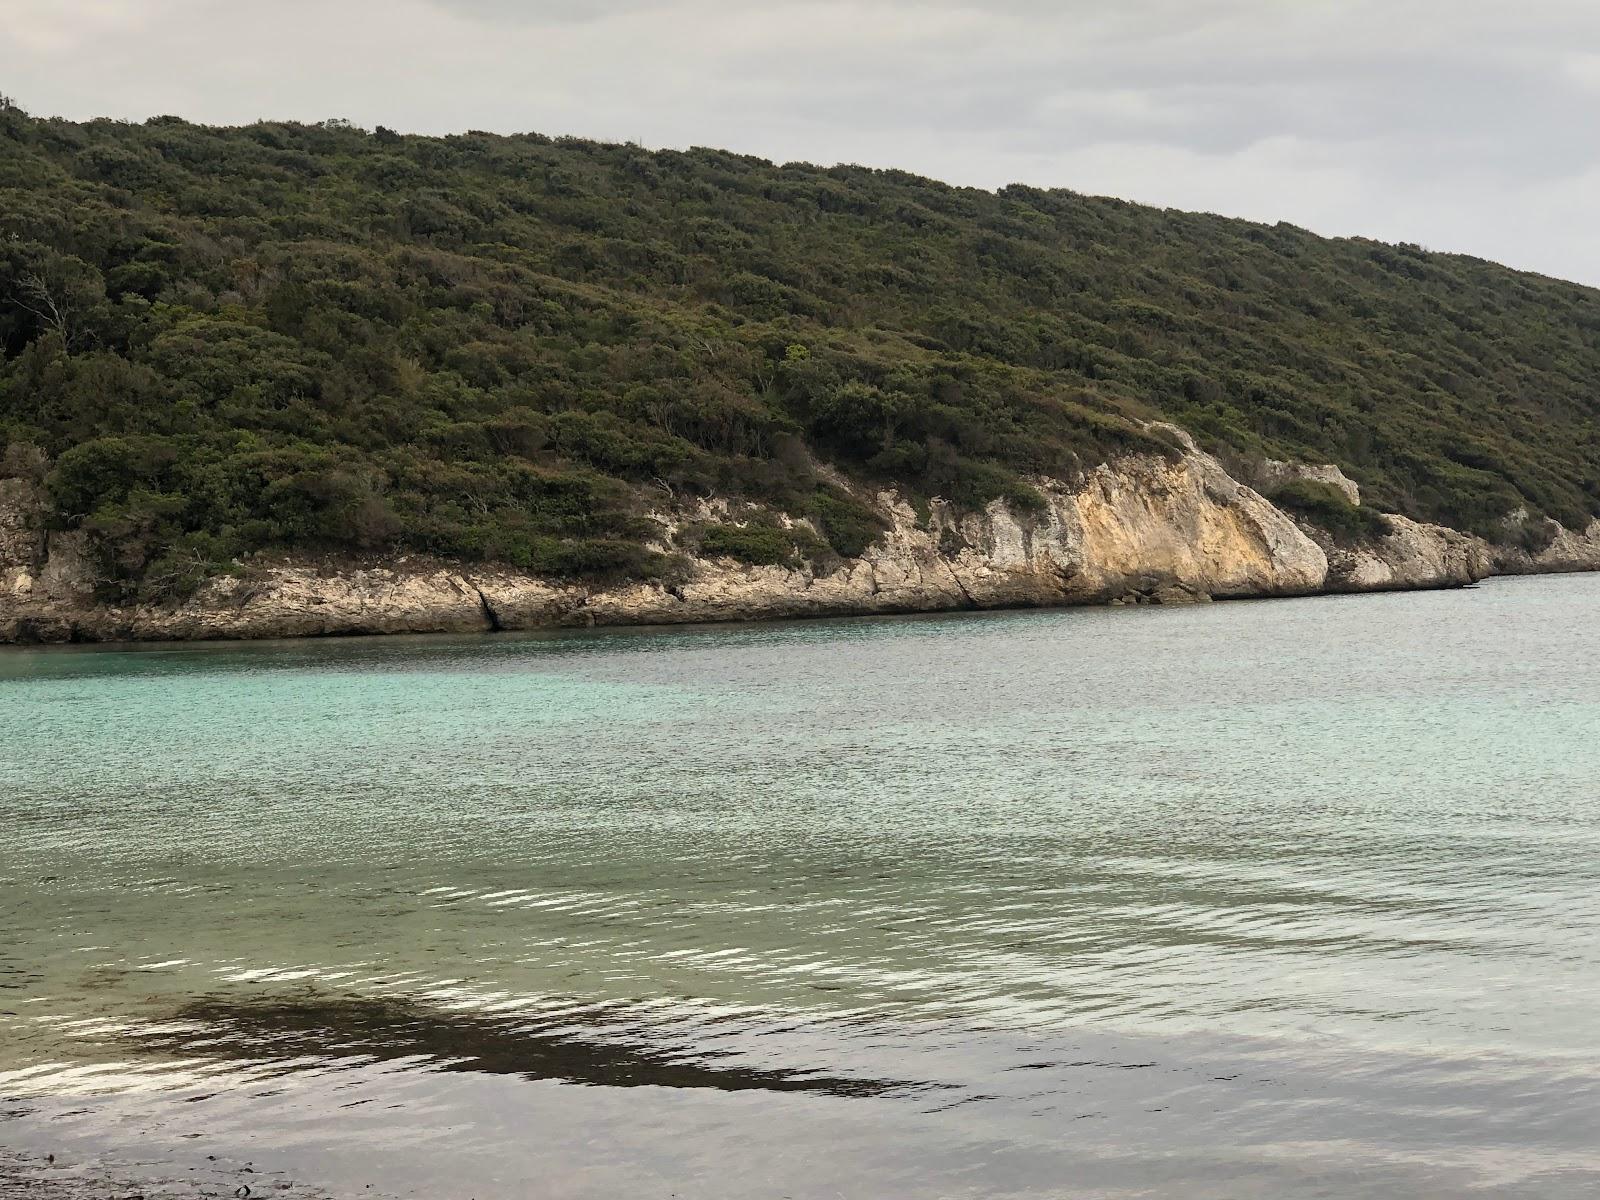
{"type": "Point", "coordinates": [1535, 536]}
{"type": "Point", "coordinates": [761, 543]}
{"type": "Point", "coordinates": [848, 525]}
{"type": "Point", "coordinates": [1325, 506]}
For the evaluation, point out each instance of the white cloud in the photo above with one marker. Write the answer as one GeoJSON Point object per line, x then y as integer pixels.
{"type": "Point", "coordinates": [1583, 69]}
{"type": "Point", "coordinates": [1461, 124]}
{"type": "Point", "coordinates": [54, 27]}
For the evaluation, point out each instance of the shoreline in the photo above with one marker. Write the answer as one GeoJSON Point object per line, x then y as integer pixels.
{"type": "Point", "coordinates": [712, 623]}
{"type": "Point", "coordinates": [1143, 530]}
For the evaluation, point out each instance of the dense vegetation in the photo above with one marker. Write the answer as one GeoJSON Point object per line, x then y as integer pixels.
{"type": "Point", "coordinates": [220, 340]}
{"type": "Point", "coordinates": [1326, 506]}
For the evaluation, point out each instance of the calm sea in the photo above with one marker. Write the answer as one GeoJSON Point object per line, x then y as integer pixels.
{"type": "Point", "coordinates": [1278, 899]}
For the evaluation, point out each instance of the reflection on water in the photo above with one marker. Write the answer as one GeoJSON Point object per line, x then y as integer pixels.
{"type": "Point", "coordinates": [1291, 898]}
{"type": "Point", "coordinates": [568, 1046]}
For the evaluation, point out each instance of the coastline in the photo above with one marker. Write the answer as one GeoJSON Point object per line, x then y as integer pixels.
{"type": "Point", "coordinates": [1144, 530]}
{"type": "Point", "coordinates": [15, 633]}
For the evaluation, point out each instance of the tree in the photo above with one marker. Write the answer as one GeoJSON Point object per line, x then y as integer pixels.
{"type": "Point", "coordinates": [59, 291]}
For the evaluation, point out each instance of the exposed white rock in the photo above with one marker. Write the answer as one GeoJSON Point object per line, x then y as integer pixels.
{"type": "Point", "coordinates": [1411, 555]}
{"type": "Point", "coordinates": [1144, 530]}
{"type": "Point", "coordinates": [22, 545]}
{"type": "Point", "coordinates": [1568, 551]}
{"type": "Point", "coordinates": [1274, 474]}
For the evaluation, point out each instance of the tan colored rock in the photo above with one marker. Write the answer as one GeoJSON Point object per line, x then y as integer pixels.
{"type": "Point", "coordinates": [1149, 522]}
{"type": "Point", "coordinates": [68, 569]}
{"type": "Point", "coordinates": [1274, 474]}
{"type": "Point", "coordinates": [1567, 552]}
{"type": "Point", "coordinates": [293, 601]}
{"type": "Point", "coordinates": [1412, 555]}
{"type": "Point", "coordinates": [1572, 551]}
{"type": "Point", "coordinates": [1147, 529]}
{"type": "Point", "coordinates": [22, 539]}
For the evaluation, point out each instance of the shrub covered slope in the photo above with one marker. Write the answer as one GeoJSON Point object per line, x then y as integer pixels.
{"type": "Point", "coordinates": [321, 338]}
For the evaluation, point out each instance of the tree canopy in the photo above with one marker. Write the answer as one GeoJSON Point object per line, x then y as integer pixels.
{"type": "Point", "coordinates": [315, 337]}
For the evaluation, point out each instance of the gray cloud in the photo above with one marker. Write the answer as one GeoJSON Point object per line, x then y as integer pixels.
{"type": "Point", "coordinates": [520, 13]}
{"type": "Point", "coordinates": [1462, 124]}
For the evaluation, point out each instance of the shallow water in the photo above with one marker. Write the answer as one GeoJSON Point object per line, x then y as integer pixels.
{"type": "Point", "coordinates": [1290, 898]}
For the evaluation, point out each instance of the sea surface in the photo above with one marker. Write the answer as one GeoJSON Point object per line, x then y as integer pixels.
{"type": "Point", "coordinates": [1294, 898]}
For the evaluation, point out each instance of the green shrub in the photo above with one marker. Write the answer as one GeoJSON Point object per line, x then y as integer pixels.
{"type": "Point", "coordinates": [601, 559]}
{"type": "Point", "coordinates": [761, 543]}
{"type": "Point", "coordinates": [1326, 506]}
{"type": "Point", "coordinates": [848, 525]}
{"type": "Point", "coordinates": [979, 483]}
{"type": "Point", "coordinates": [1535, 536]}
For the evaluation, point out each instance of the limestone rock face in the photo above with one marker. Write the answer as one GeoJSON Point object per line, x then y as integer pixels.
{"type": "Point", "coordinates": [1412, 555]}
{"type": "Point", "coordinates": [1275, 474]}
{"type": "Point", "coordinates": [1147, 529]}
{"type": "Point", "coordinates": [22, 538]}
{"type": "Point", "coordinates": [1149, 523]}
{"type": "Point", "coordinates": [291, 601]}
{"type": "Point", "coordinates": [1133, 531]}
{"type": "Point", "coordinates": [1567, 552]}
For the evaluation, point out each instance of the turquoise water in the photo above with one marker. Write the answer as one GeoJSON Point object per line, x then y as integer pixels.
{"type": "Point", "coordinates": [1259, 899]}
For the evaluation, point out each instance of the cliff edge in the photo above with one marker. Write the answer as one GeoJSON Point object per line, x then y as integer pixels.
{"type": "Point", "coordinates": [1147, 529]}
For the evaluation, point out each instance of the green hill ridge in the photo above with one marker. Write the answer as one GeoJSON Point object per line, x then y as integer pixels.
{"type": "Point", "coordinates": [317, 338]}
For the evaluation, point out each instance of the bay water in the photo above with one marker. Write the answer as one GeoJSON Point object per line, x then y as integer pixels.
{"type": "Point", "coordinates": [1260, 899]}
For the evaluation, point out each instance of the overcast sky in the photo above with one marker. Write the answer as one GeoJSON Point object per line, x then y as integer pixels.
{"type": "Point", "coordinates": [1470, 125]}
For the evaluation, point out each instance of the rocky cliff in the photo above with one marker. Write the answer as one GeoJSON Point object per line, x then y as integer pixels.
{"type": "Point", "coordinates": [1409, 556]}
{"type": "Point", "coordinates": [1144, 530]}
{"type": "Point", "coordinates": [1567, 551]}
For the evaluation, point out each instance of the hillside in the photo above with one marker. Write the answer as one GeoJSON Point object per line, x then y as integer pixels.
{"type": "Point", "coordinates": [318, 338]}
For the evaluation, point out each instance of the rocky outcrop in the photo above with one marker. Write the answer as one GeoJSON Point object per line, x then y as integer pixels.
{"type": "Point", "coordinates": [1144, 530]}
{"type": "Point", "coordinates": [1411, 555]}
{"type": "Point", "coordinates": [1273, 474]}
{"type": "Point", "coordinates": [22, 536]}
{"type": "Point", "coordinates": [1567, 551]}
